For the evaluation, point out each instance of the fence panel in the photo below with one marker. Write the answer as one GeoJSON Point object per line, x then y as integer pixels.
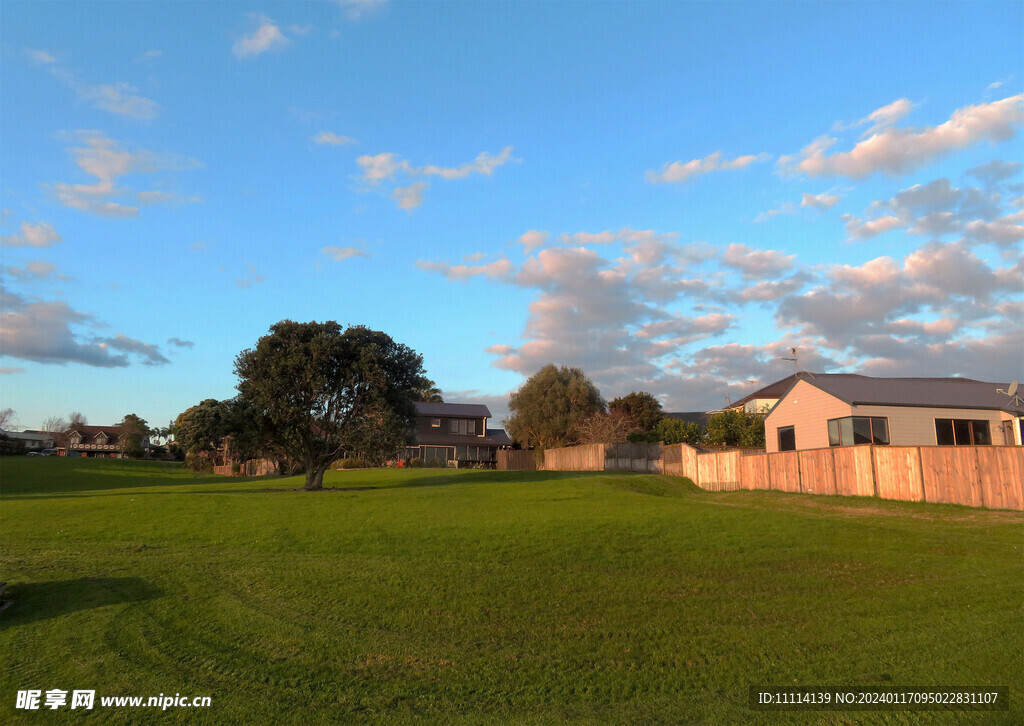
{"type": "Point", "coordinates": [575, 458]}
{"type": "Point", "coordinates": [854, 471]}
{"type": "Point", "coordinates": [516, 460]}
{"type": "Point", "coordinates": [817, 471]}
{"type": "Point", "coordinates": [1002, 476]}
{"type": "Point", "coordinates": [728, 470]}
{"type": "Point", "coordinates": [754, 472]}
{"type": "Point", "coordinates": [784, 471]}
{"type": "Point", "coordinates": [707, 472]}
{"type": "Point", "coordinates": [950, 475]}
{"type": "Point", "coordinates": [641, 457]}
{"type": "Point", "coordinates": [898, 472]}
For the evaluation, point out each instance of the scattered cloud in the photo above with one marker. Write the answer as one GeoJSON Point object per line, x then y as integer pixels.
{"type": "Point", "coordinates": [35, 270]}
{"type": "Point", "coordinates": [40, 56]}
{"type": "Point", "coordinates": [896, 152]}
{"type": "Point", "coordinates": [677, 171]}
{"type": "Point", "coordinates": [150, 55]}
{"type": "Point", "coordinates": [120, 98]}
{"type": "Point", "coordinates": [179, 343]}
{"type": "Point", "coordinates": [266, 36]}
{"type": "Point", "coordinates": [39, 235]}
{"type": "Point", "coordinates": [108, 160]}
{"type": "Point", "coordinates": [497, 270]}
{"type": "Point", "coordinates": [532, 239]}
{"type": "Point", "coordinates": [10, 370]}
{"type": "Point", "coordinates": [252, 278]}
{"type": "Point", "coordinates": [857, 228]}
{"type": "Point", "coordinates": [357, 10]}
{"type": "Point", "coordinates": [387, 166]}
{"type": "Point", "coordinates": [42, 331]}
{"type": "Point", "coordinates": [409, 197]}
{"type": "Point", "coordinates": [756, 264]}
{"type": "Point", "coordinates": [344, 253]}
{"type": "Point", "coordinates": [332, 139]}
{"type": "Point", "coordinates": [820, 202]}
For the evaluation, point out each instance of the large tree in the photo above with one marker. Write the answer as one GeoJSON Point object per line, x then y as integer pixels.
{"type": "Point", "coordinates": [642, 407]}
{"type": "Point", "coordinates": [549, 408]}
{"type": "Point", "coordinates": [201, 428]}
{"type": "Point", "coordinates": [321, 391]}
{"type": "Point", "coordinates": [133, 430]}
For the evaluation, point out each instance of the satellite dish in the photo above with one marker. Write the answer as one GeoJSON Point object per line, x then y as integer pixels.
{"type": "Point", "coordinates": [1011, 391]}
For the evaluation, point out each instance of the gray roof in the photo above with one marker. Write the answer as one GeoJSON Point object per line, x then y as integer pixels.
{"type": "Point", "coordinates": [772, 390]}
{"type": "Point", "coordinates": [494, 437]}
{"type": "Point", "coordinates": [469, 410]}
{"type": "Point", "coordinates": [926, 392]}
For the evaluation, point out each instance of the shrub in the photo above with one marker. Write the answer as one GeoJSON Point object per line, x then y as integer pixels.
{"type": "Point", "coordinates": [199, 463]}
{"type": "Point", "coordinates": [415, 463]}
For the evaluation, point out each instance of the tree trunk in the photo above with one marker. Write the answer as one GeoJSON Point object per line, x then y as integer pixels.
{"type": "Point", "coordinates": [314, 479]}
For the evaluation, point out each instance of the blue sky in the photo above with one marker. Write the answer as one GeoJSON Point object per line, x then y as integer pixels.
{"type": "Point", "coordinates": [668, 195]}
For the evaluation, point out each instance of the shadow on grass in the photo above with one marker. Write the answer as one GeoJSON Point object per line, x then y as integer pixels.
{"type": "Point", "coordinates": [33, 601]}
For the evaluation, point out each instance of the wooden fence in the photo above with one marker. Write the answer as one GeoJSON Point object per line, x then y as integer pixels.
{"type": "Point", "coordinates": [976, 476]}
{"type": "Point", "coordinates": [252, 467]}
{"type": "Point", "coordinates": [515, 460]}
{"type": "Point", "coordinates": [640, 457]}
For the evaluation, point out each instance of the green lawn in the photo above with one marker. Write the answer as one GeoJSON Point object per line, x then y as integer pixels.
{"type": "Point", "coordinates": [489, 597]}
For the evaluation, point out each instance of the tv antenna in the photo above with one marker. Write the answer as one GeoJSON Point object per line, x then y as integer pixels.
{"type": "Point", "coordinates": [795, 359]}
{"type": "Point", "coordinates": [1011, 391]}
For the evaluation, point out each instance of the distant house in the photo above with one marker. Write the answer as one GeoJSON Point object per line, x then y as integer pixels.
{"type": "Point", "coordinates": [97, 441]}
{"type": "Point", "coordinates": [456, 432]}
{"type": "Point", "coordinates": [30, 440]}
{"type": "Point", "coordinates": [841, 409]}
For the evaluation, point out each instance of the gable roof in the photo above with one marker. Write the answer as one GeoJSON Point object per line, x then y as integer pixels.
{"type": "Point", "coordinates": [772, 390]}
{"type": "Point", "coordinates": [925, 392]}
{"type": "Point", "coordinates": [466, 410]}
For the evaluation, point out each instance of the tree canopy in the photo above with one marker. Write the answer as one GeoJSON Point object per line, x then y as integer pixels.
{"type": "Point", "coordinates": [133, 429]}
{"type": "Point", "coordinates": [736, 428]}
{"type": "Point", "coordinates": [642, 407]}
{"type": "Point", "coordinates": [549, 408]}
{"type": "Point", "coordinates": [320, 391]}
{"type": "Point", "coordinates": [199, 429]}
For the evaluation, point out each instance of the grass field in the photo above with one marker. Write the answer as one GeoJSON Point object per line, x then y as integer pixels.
{"type": "Point", "coordinates": [489, 597]}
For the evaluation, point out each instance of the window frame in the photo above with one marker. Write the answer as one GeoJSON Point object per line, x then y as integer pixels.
{"type": "Point", "coordinates": [789, 430]}
{"type": "Point", "coordinates": [839, 440]}
{"type": "Point", "coordinates": [973, 426]}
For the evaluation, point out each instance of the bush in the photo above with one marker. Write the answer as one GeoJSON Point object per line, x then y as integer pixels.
{"type": "Point", "coordinates": [199, 463]}
{"type": "Point", "coordinates": [676, 431]}
{"type": "Point", "coordinates": [350, 463]}
{"type": "Point", "coordinates": [415, 463]}
{"type": "Point", "coordinates": [236, 467]}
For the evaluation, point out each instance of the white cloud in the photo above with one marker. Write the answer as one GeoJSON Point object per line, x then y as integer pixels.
{"type": "Point", "coordinates": [40, 56]}
{"type": "Point", "coordinates": [756, 264]}
{"type": "Point", "coordinates": [859, 229]}
{"type": "Point", "coordinates": [332, 139]}
{"type": "Point", "coordinates": [409, 197]}
{"type": "Point", "coordinates": [821, 201]}
{"type": "Point", "coordinates": [107, 160]}
{"type": "Point", "coordinates": [344, 253]}
{"type": "Point", "coordinates": [150, 55]}
{"type": "Point", "coordinates": [901, 151]}
{"type": "Point", "coordinates": [484, 163]}
{"type": "Point", "coordinates": [382, 167]}
{"type": "Point", "coordinates": [267, 36]}
{"type": "Point", "coordinates": [32, 235]}
{"type": "Point", "coordinates": [120, 98]}
{"type": "Point", "coordinates": [356, 10]}
{"type": "Point", "coordinates": [179, 343]}
{"type": "Point", "coordinates": [252, 278]}
{"type": "Point", "coordinates": [887, 115]}
{"type": "Point", "coordinates": [35, 270]}
{"type": "Point", "coordinates": [497, 270]}
{"type": "Point", "coordinates": [677, 171]}
{"type": "Point", "coordinates": [41, 331]}
{"type": "Point", "coordinates": [532, 239]}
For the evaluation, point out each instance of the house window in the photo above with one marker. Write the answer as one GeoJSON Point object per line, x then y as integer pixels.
{"type": "Point", "coordinates": [855, 430]}
{"type": "Point", "coordinates": [472, 425]}
{"type": "Point", "coordinates": [787, 439]}
{"type": "Point", "coordinates": [961, 432]}
{"type": "Point", "coordinates": [453, 426]}
{"type": "Point", "coordinates": [435, 423]}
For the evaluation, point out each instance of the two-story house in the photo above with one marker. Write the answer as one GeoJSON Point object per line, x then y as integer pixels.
{"type": "Point", "coordinates": [456, 432]}
{"type": "Point", "coordinates": [97, 441]}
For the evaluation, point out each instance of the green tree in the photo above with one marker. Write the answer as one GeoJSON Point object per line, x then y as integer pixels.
{"type": "Point", "coordinates": [133, 431]}
{"type": "Point", "coordinates": [736, 428]}
{"type": "Point", "coordinates": [320, 392]}
{"type": "Point", "coordinates": [199, 430]}
{"type": "Point", "coordinates": [677, 431]}
{"type": "Point", "coordinates": [549, 408]}
{"type": "Point", "coordinates": [430, 394]}
{"type": "Point", "coordinates": [642, 407]}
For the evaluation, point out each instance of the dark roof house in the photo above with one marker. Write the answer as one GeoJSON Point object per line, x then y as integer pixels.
{"type": "Point", "coordinates": [456, 432]}
{"type": "Point", "coordinates": [844, 409]}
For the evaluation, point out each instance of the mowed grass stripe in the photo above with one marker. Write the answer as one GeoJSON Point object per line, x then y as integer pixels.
{"type": "Point", "coordinates": [490, 597]}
